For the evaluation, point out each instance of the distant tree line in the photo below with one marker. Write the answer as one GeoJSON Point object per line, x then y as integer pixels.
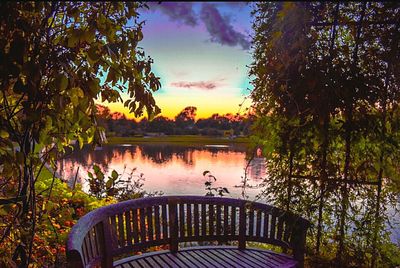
{"type": "Point", "coordinates": [184, 123]}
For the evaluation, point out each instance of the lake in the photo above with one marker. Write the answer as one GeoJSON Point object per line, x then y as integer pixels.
{"type": "Point", "coordinates": [178, 169]}
{"type": "Point", "coordinates": [172, 169]}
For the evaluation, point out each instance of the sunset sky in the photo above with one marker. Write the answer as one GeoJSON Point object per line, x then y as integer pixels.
{"type": "Point", "coordinates": [200, 52]}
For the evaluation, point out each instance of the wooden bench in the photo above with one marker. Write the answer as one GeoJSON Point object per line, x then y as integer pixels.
{"type": "Point", "coordinates": [110, 236]}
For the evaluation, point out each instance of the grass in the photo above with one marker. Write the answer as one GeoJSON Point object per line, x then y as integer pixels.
{"type": "Point", "coordinates": [181, 139]}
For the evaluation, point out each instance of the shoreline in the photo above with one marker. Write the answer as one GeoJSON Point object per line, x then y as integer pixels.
{"type": "Point", "coordinates": [179, 139]}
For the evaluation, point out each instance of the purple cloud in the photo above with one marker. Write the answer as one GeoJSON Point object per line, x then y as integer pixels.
{"type": "Point", "coordinates": [177, 11]}
{"type": "Point", "coordinates": [203, 85]}
{"type": "Point", "coordinates": [220, 29]}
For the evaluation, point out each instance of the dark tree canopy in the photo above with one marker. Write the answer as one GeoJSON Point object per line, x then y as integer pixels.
{"type": "Point", "coordinates": [326, 95]}
{"type": "Point", "coordinates": [53, 56]}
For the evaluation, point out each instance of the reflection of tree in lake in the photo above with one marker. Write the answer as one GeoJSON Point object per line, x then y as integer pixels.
{"type": "Point", "coordinates": [256, 168]}
{"type": "Point", "coordinates": [163, 153]}
{"type": "Point", "coordinates": [100, 156]}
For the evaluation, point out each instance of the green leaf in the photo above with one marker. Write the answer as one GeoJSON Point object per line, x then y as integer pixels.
{"type": "Point", "coordinates": [61, 82]}
{"type": "Point", "coordinates": [114, 175]}
{"type": "Point", "coordinates": [96, 168]}
{"type": "Point", "coordinates": [4, 134]}
{"type": "Point", "coordinates": [80, 141]}
{"type": "Point", "coordinates": [109, 184]}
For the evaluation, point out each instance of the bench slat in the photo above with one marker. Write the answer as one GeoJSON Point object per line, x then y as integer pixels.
{"type": "Point", "coordinates": [273, 227]}
{"type": "Point", "coordinates": [142, 217]}
{"type": "Point", "coordinates": [196, 220]}
{"type": "Point", "coordinates": [258, 224]}
{"type": "Point", "coordinates": [203, 220]}
{"type": "Point", "coordinates": [218, 231]}
{"type": "Point", "coordinates": [211, 219]}
{"type": "Point", "coordinates": [128, 224]}
{"type": "Point", "coordinates": [164, 217]}
{"type": "Point", "coordinates": [157, 222]}
{"type": "Point", "coordinates": [189, 219]}
{"type": "Point", "coordinates": [251, 222]}
{"type": "Point", "coordinates": [266, 225]}
{"type": "Point", "coordinates": [233, 220]}
{"type": "Point", "coordinates": [121, 235]}
{"type": "Point", "coordinates": [226, 224]}
{"type": "Point", "coordinates": [149, 214]}
{"type": "Point", "coordinates": [135, 222]}
{"type": "Point", "coordinates": [181, 220]}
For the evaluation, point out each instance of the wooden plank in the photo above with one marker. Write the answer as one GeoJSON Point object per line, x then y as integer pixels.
{"type": "Point", "coordinates": [208, 259]}
{"type": "Point", "coordinates": [142, 217]}
{"type": "Point", "coordinates": [173, 227]}
{"type": "Point", "coordinates": [108, 245]}
{"type": "Point", "coordinates": [211, 219]}
{"type": "Point", "coordinates": [88, 241]}
{"type": "Point", "coordinates": [162, 261]}
{"type": "Point", "coordinates": [128, 224]}
{"type": "Point", "coordinates": [266, 225]}
{"type": "Point", "coordinates": [275, 259]}
{"type": "Point", "coordinates": [226, 224]}
{"type": "Point", "coordinates": [189, 219]}
{"type": "Point", "coordinates": [175, 259]}
{"type": "Point", "coordinates": [249, 258]}
{"type": "Point", "coordinates": [164, 221]}
{"type": "Point", "coordinates": [94, 242]}
{"type": "Point", "coordinates": [203, 220]}
{"type": "Point", "coordinates": [258, 224]}
{"type": "Point", "coordinates": [149, 213]}
{"type": "Point", "coordinates": [121, 235]}
{"type": "Point", "coordinates": [227, 260]}
{"type": "Point", "coordinates": [181, 220]}
{"type": "Point", "coordinates": [198, 259]}
{"type": "Point", "coordinates": [85, 251]}
{"type": "Point", "coordinates": [189, 261]}
{"type": "Point", "coordinates": [273, 227]}
{"type": "Point", "coordinates": [151, 262]}
{"type": "Point", "coordinates": [131, 265]}
{"type": "Point", "coordinates": [279, 259]}
{"type": "Point", "coordinates": [287, 231]}
{"type": "Point", "coordinates": [157, 222]}
{"type": "Point", "coordinates": [240, 257]}
{"type": "Point", "coordinates": [216, 259]}
{"type": "Point", "coordinates": [242, 227]}
{"type": "Point", "coordinates": [113, 228]}
{"type": "Point", "coordinates": [135, 223]}
{"type": "Point", "coordinates": [218, 231]}
{"type": "Point", "coordinates": [99, 239]}
{"type": "Point", "coordinates": [233, 220]}
{"type": "Point", "coordinates": [196, 220]}
{"type": "Point", "coordinates": [280, 228]}
{"type": "Point", "coordinates": [251, 222]}
{"type": "Point", "coordinates": [143, 263]}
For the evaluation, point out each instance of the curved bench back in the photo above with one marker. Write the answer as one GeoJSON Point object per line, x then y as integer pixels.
{"type": "Point", "coordinates": [135, 225]}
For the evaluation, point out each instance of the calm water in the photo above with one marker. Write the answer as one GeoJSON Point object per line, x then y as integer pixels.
{"type": "Point", "coordinates": [173, 169]}
{"type": "Point", "coordinates": [176, 169]}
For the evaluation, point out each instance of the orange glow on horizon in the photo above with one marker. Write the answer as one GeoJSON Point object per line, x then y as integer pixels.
{"type": "Point", "coordinates": [171, 106]}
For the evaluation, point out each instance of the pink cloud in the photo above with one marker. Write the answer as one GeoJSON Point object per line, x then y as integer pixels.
{"type": "Point", "coordinates": [203, 85]}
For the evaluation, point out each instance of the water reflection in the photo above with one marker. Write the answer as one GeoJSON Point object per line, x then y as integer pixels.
{"type": "Point", "coordinates": [174, 169]}
{"type": "Point", "coordinates": [369, 222]}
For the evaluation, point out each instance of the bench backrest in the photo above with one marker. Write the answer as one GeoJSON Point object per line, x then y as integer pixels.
{"type": "Point", "coordinates": [135, 225]}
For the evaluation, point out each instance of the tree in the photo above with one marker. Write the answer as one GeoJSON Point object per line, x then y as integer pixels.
{"type": "Point", "coordinates": [161, 124]}
{"type": "Point", "coordinates": [326, 78]}
{"type": "Point", "coordinates": [52, 56]}
{"type": "Point", "coordinates": [186, 117]}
